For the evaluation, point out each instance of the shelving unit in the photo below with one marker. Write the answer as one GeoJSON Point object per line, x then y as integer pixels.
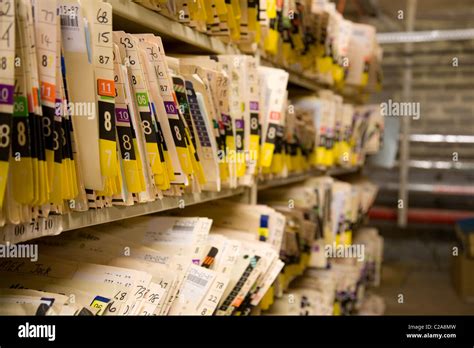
{"type": "Point", "coordinates": [76, 220]}
{"type": "Point", "coordinates": [292, 179]}
{"type": "Point", "coordinates": [95, 217]}
{"type": "Point", "coordinates": [296, 78]}
{"type": "Point", "coordinates": [134, 18]}
{"type": "Point", "coordinates": [179, 38]}
{"type": "Point", "coordinates": [89, 218]}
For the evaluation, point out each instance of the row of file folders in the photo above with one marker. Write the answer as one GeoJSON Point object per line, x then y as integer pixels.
{"type": "Point", "coordinates": [91, 117]}
{"type": "Point", "coordinates": [311, 35]}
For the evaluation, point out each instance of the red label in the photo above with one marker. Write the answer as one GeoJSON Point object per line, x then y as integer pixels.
{"type": "Point", "coordinates": [274, 116]}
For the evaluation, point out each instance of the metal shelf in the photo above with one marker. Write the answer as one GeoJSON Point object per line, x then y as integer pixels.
{"type": "Point", "coordinates": [335, 171]}
{"type": "Point", "coordinates": [291, 179]}
{"type": "Point", "coordinates": [92, 217]}
{"type": "Point", "coordinates": [294, 178]}
{"type": "Point", "coordinates": [134, 18]}
{"type": "Point", "coordinates": [296, 77]}
{"type": "Point", "coordinates": [435, 189]}
{"type": "Point", "coordinates": [95, 217]}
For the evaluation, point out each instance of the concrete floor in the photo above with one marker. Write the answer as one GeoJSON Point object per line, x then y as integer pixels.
{"type": "Point", "coordinates": [419, 269]}
{"type": "Point", "coordinates": [425, 292]}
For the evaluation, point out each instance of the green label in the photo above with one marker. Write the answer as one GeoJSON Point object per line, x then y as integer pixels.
{"type": "Point", "coordinates": [142, 99]}
{"type": "Point", "coordinates": [20, 106]}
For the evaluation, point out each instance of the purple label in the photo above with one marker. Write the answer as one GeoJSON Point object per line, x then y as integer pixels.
{"type": "Point", "coordinates": [225, 118]}
{"type": "Point", "coordinates": [196, 261]}
{"type": "Point", "coordinates": [239, 124]}
{"type": "Point", "coordinates": [6, 94]}
{"type": "Point", "coordinates": [253, 106]}
{"type": "Point", "coordinates": [170, 108]}
{"type": "Point", "coordinates": [121, 115]}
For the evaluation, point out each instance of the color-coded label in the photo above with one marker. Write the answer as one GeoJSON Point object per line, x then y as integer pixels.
{"type": "Point", "coordinates": [263, 229]}
{"type": "Point", "coordinates": [239, 124]}
{"type": "Point", "coordinates": [106, 87]}
{"type": "Point", "coordinates": [170, 108]}
{"type": "Point", "coordinates": [253, 106]}
{"type": "Point", "coordinates": [142, 98]}
{"type": "Point", "coordinates": [20, 108]}
{"type": "Point", "coordinates": [48, 92]}
{"type": "Point", "coordinates": [122, 115]}
{"type": "Point", "coordinates": [6, 94]}
{"type": "Point", "coordinates": [274, 115]}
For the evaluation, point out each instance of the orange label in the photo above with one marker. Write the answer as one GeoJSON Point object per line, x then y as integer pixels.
{"type": "Point", "coordinates": [274, 115]}
{"type": "Point", "coordinates": [106, 87]}
{"type": "Point", "coordinates": [48, 92]}
{"type": "Point", "coordinates": [33, 99]}
{"type": "Point", "coordinates": [36, 97]}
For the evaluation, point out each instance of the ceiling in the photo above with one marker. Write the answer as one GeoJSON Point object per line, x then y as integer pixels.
{"type": "Point", "coordinates": [430, 14]}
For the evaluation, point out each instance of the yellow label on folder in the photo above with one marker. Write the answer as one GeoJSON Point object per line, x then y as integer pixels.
{"type": "Point", "coordinates": [348, 237]}
{"type": "Point", "coordinates": [271, 9]}
{"type": "Point", "coordinates": [267, 154]}
{"type": "Point", "coordinates": [254, 147]}
{"type": "Point", "coordinates": [132, 176]}
{"type": "Point", "coordinates": [3, 180]}
{"type": "Point", "coordinates": [267, 299]}
{"type": "Point", "coordinates": [337, 73]}
{"type": "Point", "coordinates": [169, 165]}
{"type": "Point", "coordinates": [56, 194]}
{"type": "Point", "coordinates": [328, 159]}
{"type": "Point", "coordinates": [320, 155]}
{"type": "Point", "coordinates": [277, 163]}
{"type": "Point", "coordinates": [183, 155]}
{"type": "Point", "coordinates": [154, 158]}
{"type": "Point", "coordinates": [324, 64]}
{"type": "Point", "coordinates": [252, 19]}
{"type": "Point", "coordinates": [365, 79]}
{"type": "Point", "coordinates": [108, 157]}
{"type": "Point", "coordinates": [271, 42]}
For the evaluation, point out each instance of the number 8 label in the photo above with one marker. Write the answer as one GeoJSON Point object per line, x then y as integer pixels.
{"type": "Point", "coordinates": [177, 133]}
{"type": "Point", "coordinates": [108, 121]}
{"type": "Point", "coordinates": [4, 135]}
{"type": "Point", "coordinates": [146, 127]}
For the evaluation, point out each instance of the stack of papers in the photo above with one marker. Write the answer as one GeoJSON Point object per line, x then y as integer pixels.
{"type": "Point", "coordinates": [337, 290]}
{"type": "Point", "coordinates": [148, 266]}
{"type": "Point", "coordinates": [344, 134]}
{"type": "Point", "coordinates": [337, 207]}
